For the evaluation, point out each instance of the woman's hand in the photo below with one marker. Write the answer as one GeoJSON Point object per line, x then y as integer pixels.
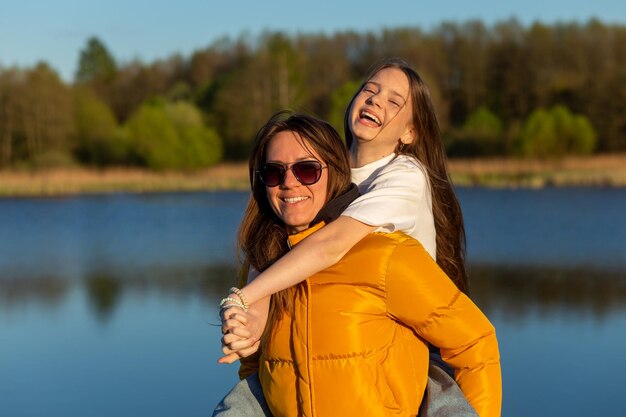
{"type": "Point", "coordinates": [242, 330]}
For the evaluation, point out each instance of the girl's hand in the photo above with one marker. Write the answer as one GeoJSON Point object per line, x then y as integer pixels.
{"type": "Point", "coordinates": [237, 341]}
{"type": "Point", "coordinates": [242, 330]}
{"type": "Point", "coordinates": [245, 348]}
{"type": "Point", "coordinates": [236, 345]}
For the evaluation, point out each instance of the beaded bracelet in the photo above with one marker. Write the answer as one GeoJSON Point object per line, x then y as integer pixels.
{"type": "Point", "coordinates": [232, 302]}
{"type": "Point", "coordinates": [244, 301]}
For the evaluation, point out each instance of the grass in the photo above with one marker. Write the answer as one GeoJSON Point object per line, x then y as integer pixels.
{"type": "Point", "coordinates": [68, 181]}
{"type": "Point", "coordinates": [603, 170]}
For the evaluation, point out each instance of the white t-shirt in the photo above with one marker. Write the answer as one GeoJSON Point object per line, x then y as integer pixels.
{"type": "Point", "coordinates": [395, 196]}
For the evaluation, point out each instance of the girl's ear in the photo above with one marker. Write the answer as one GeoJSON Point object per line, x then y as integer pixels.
{"type": "Point", "coordinates": [409, 135]}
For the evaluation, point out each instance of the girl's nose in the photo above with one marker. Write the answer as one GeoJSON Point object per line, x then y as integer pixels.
{"type": "Point", "coordinates": [374, 100]}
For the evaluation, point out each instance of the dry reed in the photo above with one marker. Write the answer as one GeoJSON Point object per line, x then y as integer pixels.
{"type": "Point", "coordinates": [604, 170]}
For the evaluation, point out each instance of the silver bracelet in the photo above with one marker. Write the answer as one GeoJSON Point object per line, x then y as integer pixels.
{"type": "Point", "coordinates": [232, 302]}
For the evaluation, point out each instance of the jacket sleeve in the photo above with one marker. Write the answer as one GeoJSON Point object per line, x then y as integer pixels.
{"type": "Point", "coordinates": [420, 295]}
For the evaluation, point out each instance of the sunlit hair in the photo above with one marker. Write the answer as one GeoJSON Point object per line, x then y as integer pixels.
{"type": "Point", "coordinates": [429, 149]}
{"type": "Point", "coordinates": [262, 235]}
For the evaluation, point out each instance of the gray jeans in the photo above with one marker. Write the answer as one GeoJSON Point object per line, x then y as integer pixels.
{"type": "Point", "coordinates": [245, 400]}
{"type": "Point", "coordinates": [443, 398]}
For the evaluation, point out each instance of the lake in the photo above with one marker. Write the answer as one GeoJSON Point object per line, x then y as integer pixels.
{"type": "Point", "coordinates": [108, 304]}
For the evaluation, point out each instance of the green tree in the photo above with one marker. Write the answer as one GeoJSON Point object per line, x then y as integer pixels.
{"type": "Point", "coordinates": [325, 68]}
{"type": "Point", "coordinates": [95, 63]}
{"type": "Point", "coordinates": [539, 136]}
{"type": "Point", "coordinates": [267, 81]}
{"type": "Point", "coordinates": [465, 48]}
{"type": "Point", "coordinates": [153, 136]}
{"type": "Point", "coordinates": [172, 136]}
{"type": "Point", "coordinates": [339, 101]}
{"type": "Point", "coordinates": [481, 134]}
{"type": "Point", "coordinates": [582, 138]}
{"type": "Point", "coordinates": [556, 132]}
{"type": "Point", "coordinates": [8, 115]}
{"type": "Point", "coordinates": [509, 72]}
{"type": "Point", "coordinates": [199, 145]}
{"type": "Point", "coordinates": [98, 138]}
{"type": "Point", "coordinates": [44, 114]}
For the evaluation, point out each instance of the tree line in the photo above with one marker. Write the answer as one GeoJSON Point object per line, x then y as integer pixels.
{"type": "Point", "coordinates": [501, 90]}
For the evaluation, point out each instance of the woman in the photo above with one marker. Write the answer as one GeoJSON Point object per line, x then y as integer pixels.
{"type": "Point", "coordinates": [357, 333]}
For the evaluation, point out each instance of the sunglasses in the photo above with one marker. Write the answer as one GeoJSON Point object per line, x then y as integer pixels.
{"type": "Point", "coordinates": [272, 174]}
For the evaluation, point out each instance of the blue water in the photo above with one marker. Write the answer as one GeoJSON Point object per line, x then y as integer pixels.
{"type": "Point", "coordinates": [107, 302]}
{"type": "Point", "coordinates": [556, 226]}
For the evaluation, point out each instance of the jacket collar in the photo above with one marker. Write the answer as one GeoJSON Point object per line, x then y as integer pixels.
{"type": "Point", "coordinates": [293, 240]}
{"type": "Point", "coordinates": [327, 214]}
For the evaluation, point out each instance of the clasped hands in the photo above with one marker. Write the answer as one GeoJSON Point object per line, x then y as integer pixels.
{"type": "Point", "coordinates": [242, 330]}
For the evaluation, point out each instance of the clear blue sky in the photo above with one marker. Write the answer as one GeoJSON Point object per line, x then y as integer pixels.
{"type": "Point", "coordinates": [56, 30]}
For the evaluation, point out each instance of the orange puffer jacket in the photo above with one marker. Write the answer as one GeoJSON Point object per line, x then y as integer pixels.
{"type": "Point", "coordinates": [357, 344]}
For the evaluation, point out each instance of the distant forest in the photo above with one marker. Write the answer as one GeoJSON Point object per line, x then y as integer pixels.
{"type": "Point", "coordinates": [538, 91]}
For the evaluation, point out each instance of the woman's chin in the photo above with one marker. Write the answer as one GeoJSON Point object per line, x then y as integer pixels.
{"type": "Point", "coordinates": [296, 226]}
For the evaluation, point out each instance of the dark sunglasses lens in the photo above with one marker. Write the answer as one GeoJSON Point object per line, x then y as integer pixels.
{"type": "Point", "coordinates": [272, 174]}
{"type": "Point", "coordinates": [307, 172]}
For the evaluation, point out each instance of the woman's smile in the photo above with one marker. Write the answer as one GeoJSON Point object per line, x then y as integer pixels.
{"type": "Point", "coordinates": [294, 200]}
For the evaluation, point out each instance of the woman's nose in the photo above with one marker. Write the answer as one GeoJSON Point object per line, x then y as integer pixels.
{"type": "Point", "coordinates": [290, 180]}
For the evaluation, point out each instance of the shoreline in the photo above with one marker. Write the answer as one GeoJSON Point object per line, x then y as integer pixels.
{"type": "Point", "coordinates": [602, 170]}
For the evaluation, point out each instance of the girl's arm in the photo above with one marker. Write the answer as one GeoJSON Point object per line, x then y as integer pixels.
{"type": "Point", "coordinates": [317, 252]}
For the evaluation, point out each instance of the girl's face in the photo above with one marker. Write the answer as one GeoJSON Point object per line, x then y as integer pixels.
{"type": "Point", "coordinates": [382, 112]}
{"type": "Point", "coordinates": [294, 203]}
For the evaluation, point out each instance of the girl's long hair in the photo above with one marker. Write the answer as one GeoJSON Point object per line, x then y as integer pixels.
{"type": "Point", "coordinates": [262, 237]}
{"type": "Point", "coordinates": [428, 148]}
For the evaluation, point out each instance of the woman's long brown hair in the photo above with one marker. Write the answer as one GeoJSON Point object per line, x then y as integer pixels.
{"type": "Point", "coordinates": [428, 148]}
{"type": "Point", "coordinates": [262, 237]}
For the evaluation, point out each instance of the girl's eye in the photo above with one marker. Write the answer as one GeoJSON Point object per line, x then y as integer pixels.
{"type": "Point", "coordinates": [395, 103]}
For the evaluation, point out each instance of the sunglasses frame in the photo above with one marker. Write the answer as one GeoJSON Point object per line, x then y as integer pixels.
{"type": "Point", "coordinates": [289, 167]}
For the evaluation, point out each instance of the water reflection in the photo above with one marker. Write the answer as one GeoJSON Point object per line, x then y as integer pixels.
{"type": "Point", "coordinates": [103, 292]}
{"type": "Point", "coordinates": [516, 291]}
{"type": "Point", "coordinates": [105, 289]}
{"type": "Point", "coordinates": [513, 291]}
{"type": "Point", "coordinates": [48, 292]}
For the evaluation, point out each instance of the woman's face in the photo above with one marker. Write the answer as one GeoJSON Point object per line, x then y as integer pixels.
{"type": "Point", "coordinates": [295, 204]}
{"type": "Point", "coordinates": [381, 113]}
